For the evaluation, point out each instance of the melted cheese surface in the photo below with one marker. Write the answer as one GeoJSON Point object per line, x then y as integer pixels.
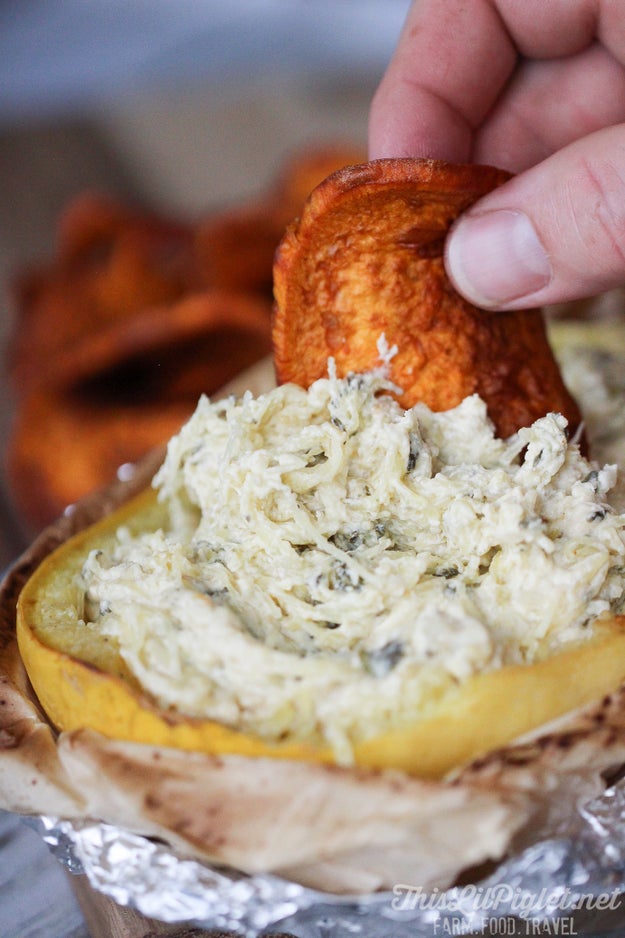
{"type": "Point", "coordinates": [335, 564]}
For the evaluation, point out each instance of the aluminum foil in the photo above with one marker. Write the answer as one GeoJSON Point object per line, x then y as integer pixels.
{"type": "Point", "coordinates": [573, 884]}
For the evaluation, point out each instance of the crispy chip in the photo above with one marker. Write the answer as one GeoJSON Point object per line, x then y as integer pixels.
{"type": "Point", "coordinates": [211, 335]}
{"type": "Point", "coordinates": [134, 389]}
{"type": "Point", "coordinates": [366, 260]}
{"type": "Point", "coordinates": [305, 170]}
{"type": "Point", "coordinates": [63, 447]}
{"type": "Point", "coordinates": [137, 312]}
{"type": "Point", "coordinates": [111, 263]}
{"type": "Point", "coordinates": [235, 248]}
{"type": "Point", "coordinates": [114, 261]}
{"type": "Point", "coordinates": [92, 221]}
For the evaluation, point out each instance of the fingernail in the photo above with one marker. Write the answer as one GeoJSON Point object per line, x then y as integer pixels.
{"type": "Point", "coordinates": [496, 257]}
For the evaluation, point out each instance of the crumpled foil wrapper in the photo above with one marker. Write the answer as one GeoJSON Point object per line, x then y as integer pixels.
{"type": "Point", "coordinates": [572, 884]}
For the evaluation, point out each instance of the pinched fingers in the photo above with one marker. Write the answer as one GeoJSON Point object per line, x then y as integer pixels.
{"type": "Point", "coordinates": [465, 73]}
{"type": "Point", "coordinates": [554, 233]}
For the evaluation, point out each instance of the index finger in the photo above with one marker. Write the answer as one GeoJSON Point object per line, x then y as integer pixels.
{"type": "Point", "coordinates": [452, 61]}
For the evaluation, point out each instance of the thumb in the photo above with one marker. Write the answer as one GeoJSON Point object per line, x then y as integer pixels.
{"type": "Point", "coordinates": [554, 233]}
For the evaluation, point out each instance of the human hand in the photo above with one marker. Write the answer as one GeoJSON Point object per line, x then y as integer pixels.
{"type": "Point", "coordinates": [537, 88]}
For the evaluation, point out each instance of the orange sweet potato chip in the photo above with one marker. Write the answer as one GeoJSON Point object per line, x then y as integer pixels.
{"type": "Point", "coordinates": [133, 387]}
{"type": "Point", "coordinates": [111, 262]}
{"type": "Point", "coordinates": [200, 341]}
{"type": "Point", "coordinates": [63, 447]}
{"type": "Point", "coordinates": [304, 170]}
{"type": "Point", "coordinates": [134, 317]}
{"type": "Point", "coordinates": [92, 221]}
{"type": "Point", "coordinates": [366, 259]}
{"type": "Point", "coordinates": [235, 248]}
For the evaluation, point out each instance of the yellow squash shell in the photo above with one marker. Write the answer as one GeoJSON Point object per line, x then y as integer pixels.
{"type": "Point", "coordinates": [90, 688]}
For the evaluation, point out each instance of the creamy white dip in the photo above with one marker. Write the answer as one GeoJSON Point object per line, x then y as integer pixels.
{"type": "Point", "coordinates": [596, 378]}
{"type": "Point", "coordinates": [335, 564]}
